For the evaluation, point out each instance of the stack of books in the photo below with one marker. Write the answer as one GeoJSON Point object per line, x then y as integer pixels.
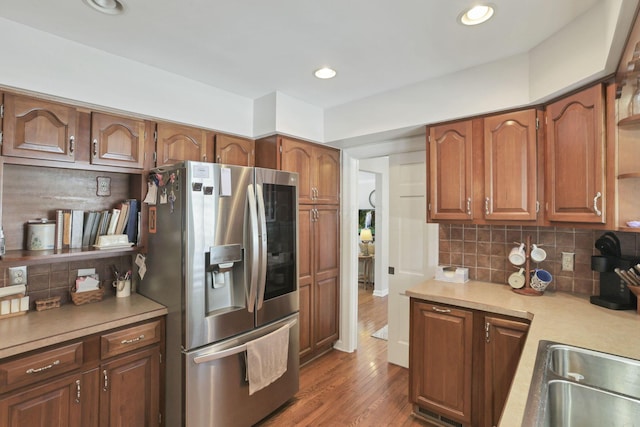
{"type": "Point", "coordinates": [79, 229]}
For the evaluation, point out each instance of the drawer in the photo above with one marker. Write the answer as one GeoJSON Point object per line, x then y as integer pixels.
{"type": "Point", "coordinates": [125, 340]}
{"type": "Point", "coordinates": [46, 364]}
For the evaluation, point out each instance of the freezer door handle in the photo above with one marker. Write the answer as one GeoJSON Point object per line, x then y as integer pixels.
{"type": "Point", "coordinates": [210, 357]}
{"type": "Point", "coordinates": [262, 224]}
{"type": "Point", "coordinates": [253, 236]}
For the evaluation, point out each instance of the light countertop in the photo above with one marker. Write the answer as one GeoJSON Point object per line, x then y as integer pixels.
{"type": "Point", "coordinates": [38, 329]}
{"type": "Point", "coordinates": [555, 316]}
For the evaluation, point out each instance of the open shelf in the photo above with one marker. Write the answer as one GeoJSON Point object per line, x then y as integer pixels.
{"type": "Point", "coordinates": [18, 256]}
{"type": "Point", "coordinates": [630, 121]}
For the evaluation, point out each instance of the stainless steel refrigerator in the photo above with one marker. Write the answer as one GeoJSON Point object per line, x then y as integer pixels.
{"type": "Point", "coordinates": [222, 256]}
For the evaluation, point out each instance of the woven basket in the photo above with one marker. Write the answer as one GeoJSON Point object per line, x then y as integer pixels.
{"type": "Point", "coordinates": [80, 298]}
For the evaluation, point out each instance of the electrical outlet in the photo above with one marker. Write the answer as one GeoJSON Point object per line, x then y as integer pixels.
{"type": "Point", "coordinates": [567, 261]}
{"type": "Point", "coordinates": [18, 275]}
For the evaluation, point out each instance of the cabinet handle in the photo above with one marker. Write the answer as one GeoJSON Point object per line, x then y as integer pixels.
{"type": "Point", "coordinates": [132, 340]}
{"type": "Point", "coordinates": [72, 144]}
{"type": "Point", "coordinates": [219, 159]}
{"type": "Point", "coordinates": [77, 391]}
{"type": "Point", "coordinates": [441, 310]}
{"type": "Point", "coordinates": [314, 193]}
{"type": "Point", "coordinates": [95, 147]}
{"type": "Point", "coordinates": [105, 387]}
{"type": "Point", "coordinates": [204, 158]}
{"type": "Point", "coordinates": [469, 206]}
{"type": "Point", "coordinates": [486, 205]}
{"type": "Point", "coordinates": [595, 204]}
{"type": "Point", "coordinates": [487, 327]}
{"type": "Point", "coordinates": [44, 368]}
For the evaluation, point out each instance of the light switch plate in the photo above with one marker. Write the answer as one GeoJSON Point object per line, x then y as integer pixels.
{"type": "Point", "coordinates": [104, 186]}
{"type": "Point", "coordinates": [18, 275]}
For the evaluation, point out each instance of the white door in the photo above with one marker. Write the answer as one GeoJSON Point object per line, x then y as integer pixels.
{"type": "Point", "coordinates": [413, 245]}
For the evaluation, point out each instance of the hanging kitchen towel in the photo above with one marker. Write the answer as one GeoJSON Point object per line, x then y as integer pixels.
{"type": "Point", "coordinates": [267, 358]}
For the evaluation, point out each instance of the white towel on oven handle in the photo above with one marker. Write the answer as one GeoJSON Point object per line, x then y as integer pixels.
{"type": "Point", "coordinates": [267, 358]}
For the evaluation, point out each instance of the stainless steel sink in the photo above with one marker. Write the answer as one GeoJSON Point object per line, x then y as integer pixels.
{"type": "Point", "coordinates": [607, 371]}
{"type": "Point", "coordinates": [572, 404]}
{"type": "Point", "coordinates": [573, 386]}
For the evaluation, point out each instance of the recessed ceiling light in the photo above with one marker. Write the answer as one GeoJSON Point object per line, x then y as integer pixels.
{"type": "Point", "coordinates": [325, 73]}
{"type": "Point", "coordinates": [110, 7]}
{"type": "Point", "coordinates": [476, 15]}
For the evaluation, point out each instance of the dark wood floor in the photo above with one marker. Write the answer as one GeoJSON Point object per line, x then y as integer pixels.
{"type": "Point", "coordinates": [352, 389]}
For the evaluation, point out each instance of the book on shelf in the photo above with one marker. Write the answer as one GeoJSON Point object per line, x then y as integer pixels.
{"type": "Point", "coordinates": [132, 221]}
{"type": "Point", "coordinates": [66, 229]}
{"type": "Point", "coordinates": [59, 228]}
{"type": "Point", "coordinates": [94, 228]}
{"type": "Point", "coordinates": [113, 221]}
{"type": "Point", "coordinates": [104, 223]}
{"type": "Point", "coordinates": [123, 218]}
{"type": "Point", "coordinates": [89, 221]}
{"type": "Point", "coordinates": [77, 228]}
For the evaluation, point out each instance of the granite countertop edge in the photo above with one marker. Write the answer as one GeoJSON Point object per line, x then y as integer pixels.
{"type": "Point", "coordinates": [38, 329]}
{"type": "Point", "coordinates": [554, 316]}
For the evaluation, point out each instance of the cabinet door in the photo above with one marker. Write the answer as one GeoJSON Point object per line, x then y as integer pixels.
{"type": "Point", "coordinates": [450, 165]}
{"type": "Point", "coordinates": [58, 403]}
{"type": "Point", "coordinates": [131, 390]}
{"type": "Point", "coordinates": [297, 156]}
{"type": "Point", "coordinates": [231, 150]}
{"type": "Point", "coordinates": [117, 141]}
{"type": "Point", "coordinates": [176, 143]}
{"type": "Point", "coordinates": [305, 277]}
{"type": "Point", "coordinates": [575, 188]}
{"type": "Point", "coordinates": [440, 359]}
{"type": "Point", "coordinates": [39, 129]}
{"type": "Point", "coordinates": [326, 178]}
{"type": "Point", "coordinates": [510, 166]}
{"type": "Point", "coordinates": [504, 342]}
{"type": "Point", "coordinates": [326, 266]}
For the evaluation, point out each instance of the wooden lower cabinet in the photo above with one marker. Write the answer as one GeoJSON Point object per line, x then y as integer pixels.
{"type": "Point", "coordinates": [131, 390]}
{"type": "Point", "coordinates": [461, 363]}
{"type": "Point", "coordinates": [122, 390]}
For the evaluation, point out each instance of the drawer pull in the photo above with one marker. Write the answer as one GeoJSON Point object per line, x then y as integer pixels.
{"type": "Point", "coordinates": [44, 368]}
{"type": "Point", "coordinates": [441, 310]}
{"type": "Point", "coordinates": [132, 340]}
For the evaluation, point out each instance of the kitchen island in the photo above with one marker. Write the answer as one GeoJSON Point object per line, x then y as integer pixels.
{"type": "Point", "coordinates": [554, 316]}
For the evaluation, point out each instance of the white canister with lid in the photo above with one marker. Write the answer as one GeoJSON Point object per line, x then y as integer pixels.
{"type": "Point", "coordinates": [41, 234]}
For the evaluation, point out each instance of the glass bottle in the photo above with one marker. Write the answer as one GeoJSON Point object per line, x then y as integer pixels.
{"type": "Point", "coordinates": [634, 104]}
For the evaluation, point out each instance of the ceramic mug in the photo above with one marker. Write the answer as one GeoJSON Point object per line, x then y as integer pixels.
{"type": "Point", "coordinates": [516, 279]}
{"type": "Point", "coordinates": [540, 280]}
{"type": "Point", "coordinates": [517, 255]}
{"type": "Point", "coordinates": [538, 254]}
{"type": "Point", "coordinates": [123, 288]}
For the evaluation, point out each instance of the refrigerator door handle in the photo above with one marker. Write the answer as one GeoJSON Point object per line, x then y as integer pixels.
{"type": "Point", "coordinates": [262, 278]}
{"type": "Point", "coordinates": [253, 236]}
{"type": "Point", "coordinates": [210, 357]}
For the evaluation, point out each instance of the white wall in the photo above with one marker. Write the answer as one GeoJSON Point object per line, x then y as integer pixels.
{"type": "Point", "coordinates": [366, 184]}
{"type": "Point", "coordinates": [40, 62]}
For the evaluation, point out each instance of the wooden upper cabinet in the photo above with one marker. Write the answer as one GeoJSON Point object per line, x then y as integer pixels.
{"type": "Point", "coordinates": [39, 129]}
{"type": "Point", "coordinates": [176, 143]}
{"type": "Point", "coordinates": [232, 150]}
{"type": "Point", "coordinates": [510, 166]}
{"type": "Point", "coordinates": [450, 171]}
{"type": "Point", "coordinates": [575, 148]}
{"type": "Point", "coordinates": [117, 141]}
{"type": "Point", "coordinates": [318, 170]}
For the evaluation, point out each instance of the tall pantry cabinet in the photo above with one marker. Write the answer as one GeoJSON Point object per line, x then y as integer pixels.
{"type": "Point", "coordinates": [318, 168]}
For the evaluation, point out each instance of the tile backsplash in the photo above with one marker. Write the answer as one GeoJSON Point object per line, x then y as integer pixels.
{"type": "Point", "coordinates": [57, 279]}
{"type": "Point", "coordinates": [483, 249]}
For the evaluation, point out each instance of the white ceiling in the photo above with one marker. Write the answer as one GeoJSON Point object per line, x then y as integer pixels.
{"type": "Point", "coordinates": [256, 47]}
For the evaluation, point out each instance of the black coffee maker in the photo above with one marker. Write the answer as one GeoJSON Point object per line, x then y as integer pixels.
{"type": "Point", "coordinates": [614, 293]}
